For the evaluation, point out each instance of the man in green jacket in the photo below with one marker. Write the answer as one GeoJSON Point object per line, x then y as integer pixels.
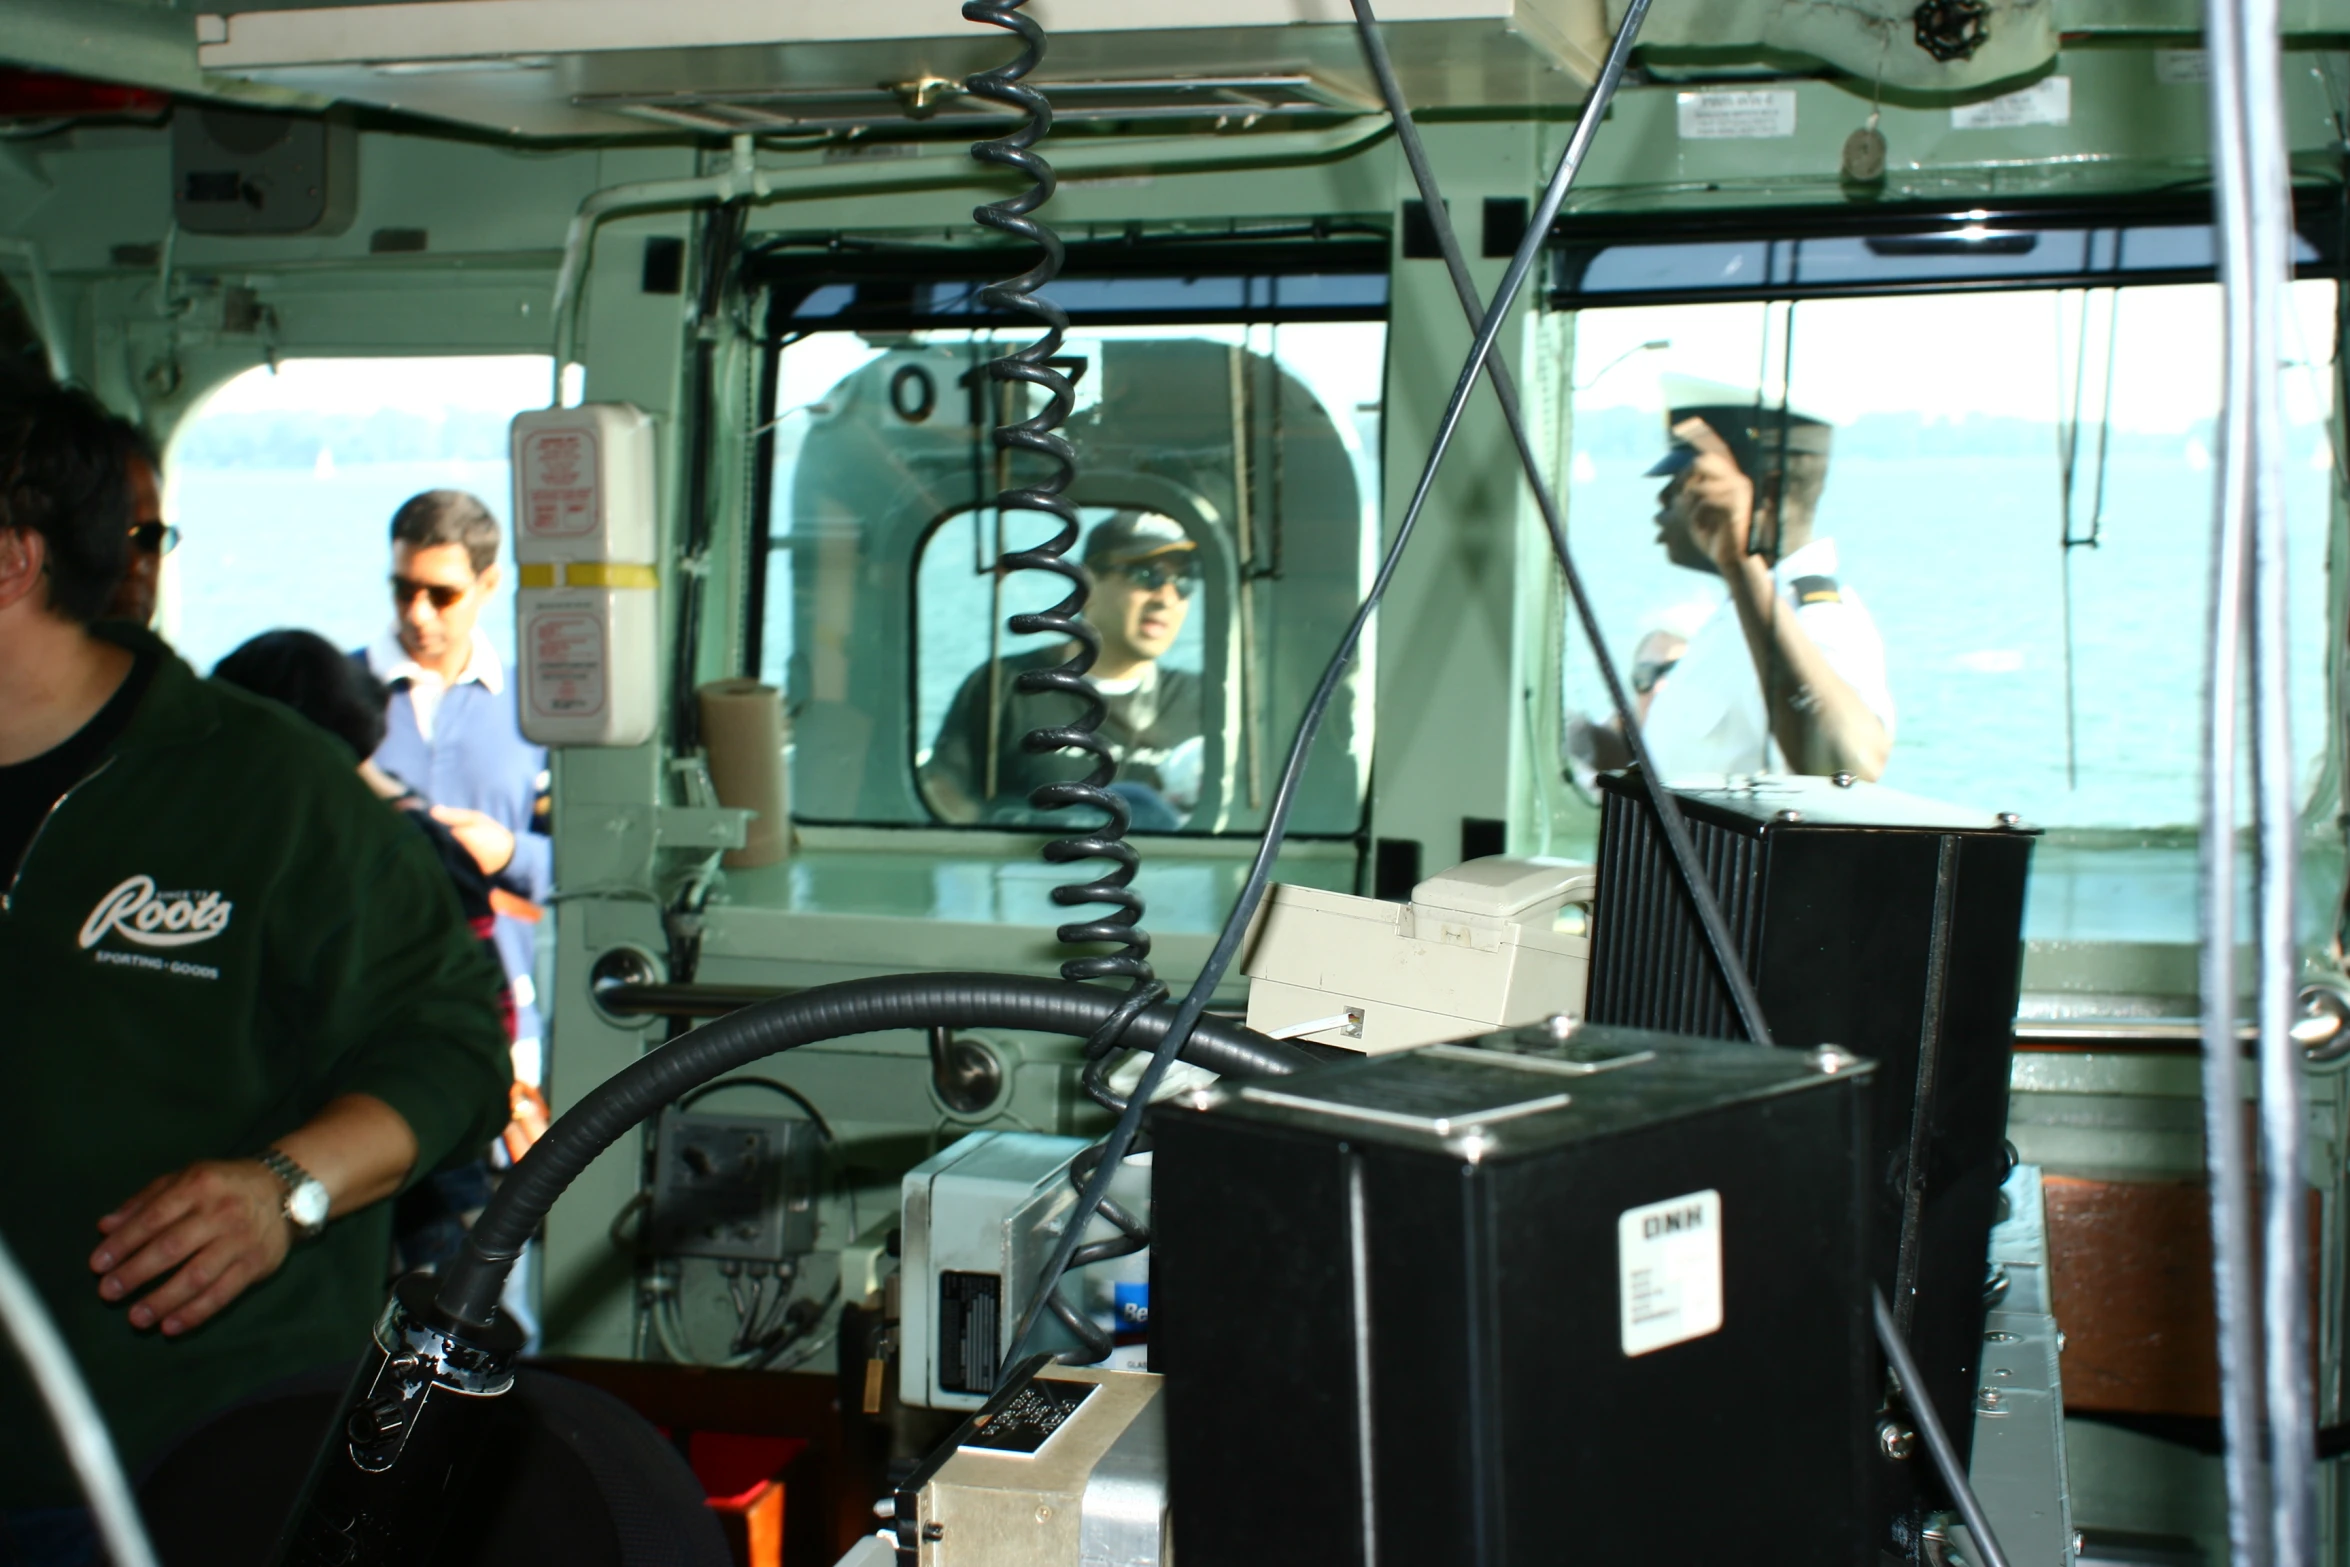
{"type": "Point", "coordinates": [242, 1006]}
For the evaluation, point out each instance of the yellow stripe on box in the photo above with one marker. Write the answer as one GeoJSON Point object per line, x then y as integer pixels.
{"type": "Point", "coordinates": [589, 574]}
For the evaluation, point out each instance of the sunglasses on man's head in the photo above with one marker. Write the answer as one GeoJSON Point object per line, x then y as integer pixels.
{"type": "Point", "coordinates": [444, 597]}
{"type": "Point", "coordinates": [156, 538]}
{"type": "Point", "coordinates": [1150, 576]}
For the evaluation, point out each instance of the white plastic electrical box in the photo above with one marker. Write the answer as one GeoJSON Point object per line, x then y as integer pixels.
{"type": "Point", "coordinates": [587, 609]}
{"type": "Point", "coordinates": [977, 1221]}
{"type": "Point", "coordinates": [1494, 943]}
{"type": "Point", "coordinates": [589, 655]}
{"type": "Point", "coordinates": [583, 484]}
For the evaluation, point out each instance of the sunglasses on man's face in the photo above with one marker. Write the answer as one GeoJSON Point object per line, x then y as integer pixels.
{"type": "Point", "coordinates": [1648, 672]}
{"type": "Point", "coordinates": [1151, 576]}
{"type": "Point", "coordinates": [444, 597]}
{"type": "Point", "coordinates": [155, 538]}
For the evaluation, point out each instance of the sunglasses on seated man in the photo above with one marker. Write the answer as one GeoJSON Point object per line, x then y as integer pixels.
{"type": "Point", "coordinates": [443, 596]}
{"type": "Point", "coordinates": [1152, 575]}
{"type": "Point", "coordinates": [155, 538]}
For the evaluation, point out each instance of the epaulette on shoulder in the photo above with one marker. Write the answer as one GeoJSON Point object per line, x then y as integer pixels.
{"type": "Point", "coordinates": [1816, 590]}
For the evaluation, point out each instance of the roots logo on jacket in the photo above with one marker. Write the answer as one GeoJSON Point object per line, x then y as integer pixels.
{"type": "Point", "coordinates": [137, 913]}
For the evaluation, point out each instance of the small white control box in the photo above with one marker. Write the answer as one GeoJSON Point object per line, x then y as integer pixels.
{"type": "Point", "coordinates": [1493, 943]}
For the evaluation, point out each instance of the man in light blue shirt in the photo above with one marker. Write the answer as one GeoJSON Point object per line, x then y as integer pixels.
{"type": "Point", "coordinates": [452, 732]}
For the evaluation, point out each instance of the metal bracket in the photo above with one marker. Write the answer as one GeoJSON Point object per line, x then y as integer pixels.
{"type": "Point", "coordinates": [689, 828]}
{"type": "Point", "coordinates": [702, 827]}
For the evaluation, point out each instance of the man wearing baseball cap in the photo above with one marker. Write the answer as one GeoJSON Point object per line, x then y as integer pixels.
{"type": "Point", "coordinates": [1788, 674]}
{"type": "Point", "coordinates": [1144, 571]}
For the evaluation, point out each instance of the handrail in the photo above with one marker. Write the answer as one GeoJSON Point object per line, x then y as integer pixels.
{"type": "Point", "coordinates": [622, 999]}
{"type": "Point", "coordinates": [745, 180]}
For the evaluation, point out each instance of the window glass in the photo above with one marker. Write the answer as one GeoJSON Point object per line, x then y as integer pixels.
{"type": "Point", "coordinates": [1975, 249]}
{"type": "Point", "coordinates": [283, 484]}
{"type": "Point", "coordinates": [1146, 588]}
{"type": "Point", "coordinates": [1970, 436]}
{"type": "Point", "coordinates": [1240, 459]}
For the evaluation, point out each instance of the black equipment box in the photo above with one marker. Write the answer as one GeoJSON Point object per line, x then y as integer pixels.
{"type": "Point", "coordinates": [1881, 922]}
{"type": "Point", "coordinates": [1598, 1300]}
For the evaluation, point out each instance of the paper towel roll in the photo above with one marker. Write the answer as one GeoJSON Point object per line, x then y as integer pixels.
{"type": "Point", "coordinates": [742, 729]}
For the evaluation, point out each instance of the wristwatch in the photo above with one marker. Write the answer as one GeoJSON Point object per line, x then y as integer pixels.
{"type": "Point", "coordinates": [306, 1196]}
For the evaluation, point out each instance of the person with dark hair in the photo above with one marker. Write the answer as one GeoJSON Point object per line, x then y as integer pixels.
{"type": "Point", "coordinates": [1788, 673]}
{"type": "Point", "coordinates": [1143, 570]}
{"type": "Point", "coordinates": [304, 671]}
{"type": "Point", "coordinates": [151, 537]}
{"type": "Point", "coordinates": [452, 731]}
{"type": "Point", "coordinates": [243, 1008]}
{"type": "Point", "coordinates": [310, 675]}
{"type": "Point", "coordinates": [307, 673]}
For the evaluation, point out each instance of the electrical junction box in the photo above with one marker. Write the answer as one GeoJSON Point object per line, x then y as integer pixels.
{"type": "Point", "coordinates": [587, 606]}
{"type": "Point", "coordinates": [245, 171]}
{"type": "Point", "coordinates": [979, 1219]}
{"type": "Point", "coordinates": [734, 1187]}
{"type": "Point", "coordinates": [1492, 943]}
{"type": "Point", "coordinates": [1072, 1472]}
{"type": "Point", "coordinates": [584, 484]}
{"type": "Point", "coordinates": [1601, 1300]}
{"type": "Point", "coordinates": [590, 644]}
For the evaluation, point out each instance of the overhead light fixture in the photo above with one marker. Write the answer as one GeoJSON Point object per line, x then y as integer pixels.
{"type": "Point", "coordinates": [480, 66]}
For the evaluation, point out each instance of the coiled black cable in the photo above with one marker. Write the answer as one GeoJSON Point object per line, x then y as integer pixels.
{"type": "Point", "coordinates": [1039, 434]}
{"type": "Point", "coordinates": [1132, 1236]}
{"type": "Point", "coordinates": [1220, 958]}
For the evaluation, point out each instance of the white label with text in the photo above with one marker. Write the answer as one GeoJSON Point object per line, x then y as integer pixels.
{"type": "Point", "coordinates": [2048, 101]}
{"type": "Point", "coordinates": [1735, 116]}
{"type": "Point", "coordinates": [1669, 1267]}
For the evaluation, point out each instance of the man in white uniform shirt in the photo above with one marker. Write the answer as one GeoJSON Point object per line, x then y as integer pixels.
{"type": "Point", "coordinates": [1788, 674]}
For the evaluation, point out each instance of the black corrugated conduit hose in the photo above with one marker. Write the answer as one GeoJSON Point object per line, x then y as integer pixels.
{"type": "Point", "coordinates": [379, 1491]}
{"type": "Point", "coordinates": [469, 1289]}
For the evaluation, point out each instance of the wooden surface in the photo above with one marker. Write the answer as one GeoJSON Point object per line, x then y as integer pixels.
{"type": "Point", "coordinates": [2130, 1270]}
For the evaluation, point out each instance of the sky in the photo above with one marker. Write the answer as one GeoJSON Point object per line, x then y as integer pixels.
{"type": "Point", "coordinates": [491, 383]}
{"type": "Point", "coordinates": [1985, 354]}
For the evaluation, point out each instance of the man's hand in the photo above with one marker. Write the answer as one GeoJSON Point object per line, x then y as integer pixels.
{"type": "Point", "coordinates": [1718, 494]}
{"type": "Point", "coordinates": [214, 1228]}
{"type": "Point", "coordinates": [219, 1226]}
{"type": "Point", "coordinates": [490, 844]}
